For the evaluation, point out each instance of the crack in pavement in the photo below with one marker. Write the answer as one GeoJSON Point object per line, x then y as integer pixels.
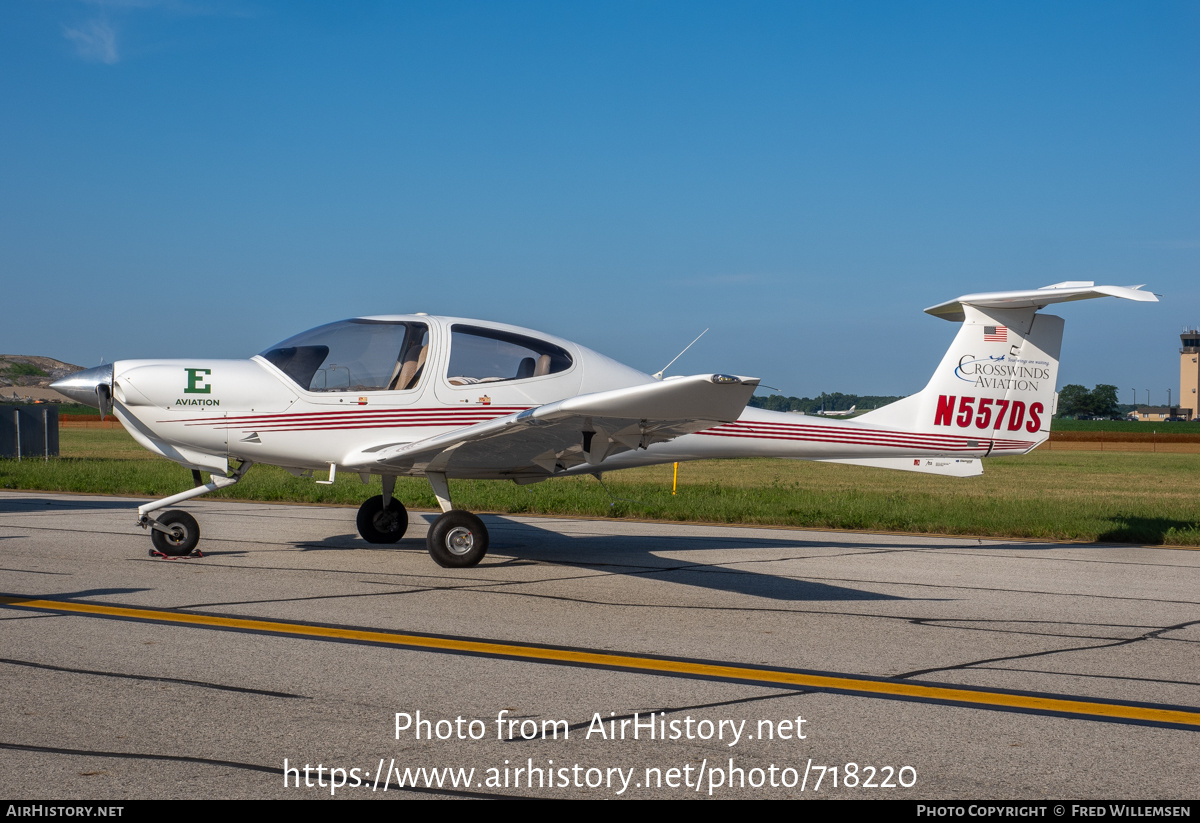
{"type": "Point", "coordinates": [234, 764]}
{"type": "Point", "coordinates": [120, 675]}
{"type": "Point", "coordinates": [1150, 635]}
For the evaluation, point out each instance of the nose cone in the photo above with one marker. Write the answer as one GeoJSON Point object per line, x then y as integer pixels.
{"type": "Point", "coordinates": [82, 386]}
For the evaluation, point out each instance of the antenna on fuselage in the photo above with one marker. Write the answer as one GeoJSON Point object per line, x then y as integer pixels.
{"type": "Point", "coordinates": [659, 374]}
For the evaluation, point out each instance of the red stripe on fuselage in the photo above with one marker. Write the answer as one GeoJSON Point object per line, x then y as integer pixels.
{"type": "Point", "coordinates": [756, 430]}
{"type": "Point", "coordinates": [354, 419]}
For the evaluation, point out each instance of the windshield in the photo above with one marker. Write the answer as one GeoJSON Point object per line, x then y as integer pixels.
{"type": "Point", "coordinates": [354, 355]}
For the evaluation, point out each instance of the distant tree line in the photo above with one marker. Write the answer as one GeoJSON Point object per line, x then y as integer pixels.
{"type": "Point", "coordinates": [1075, 401]}
{"type": "Point", "coordinates": [835, 401]}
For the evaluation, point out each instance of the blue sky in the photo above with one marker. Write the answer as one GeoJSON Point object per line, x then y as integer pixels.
{"type": "Point", "coordinates": [205, 178]}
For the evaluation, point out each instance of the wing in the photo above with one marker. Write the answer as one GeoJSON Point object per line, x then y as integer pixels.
{"type": "Point", "coordinates": [542, 441]}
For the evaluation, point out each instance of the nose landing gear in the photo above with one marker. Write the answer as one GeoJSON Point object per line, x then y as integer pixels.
{"type": "Point", "coordinates": [179, 535]}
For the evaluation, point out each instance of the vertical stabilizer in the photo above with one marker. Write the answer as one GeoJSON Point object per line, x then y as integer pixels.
{"type": "Point", "coordinates": [996, 380]}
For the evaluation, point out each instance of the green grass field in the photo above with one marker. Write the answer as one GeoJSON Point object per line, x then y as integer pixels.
{"type": "Point", "coordinates": [1131, 427]}
{"type": "Point", "coordinates": [1105, 496]}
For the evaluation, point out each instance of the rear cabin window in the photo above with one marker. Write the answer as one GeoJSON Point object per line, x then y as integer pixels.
{"type": "Point", "coordinates": [354, 355]}
{"type": "Point", "coordinates": [483, 355]}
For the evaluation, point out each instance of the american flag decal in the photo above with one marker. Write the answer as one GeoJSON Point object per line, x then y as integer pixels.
{"type": "Point", "coordinates": [995, 334]}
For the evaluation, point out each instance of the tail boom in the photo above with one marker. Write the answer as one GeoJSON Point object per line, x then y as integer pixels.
{"type": "Point", "coordinates": [992, 394]}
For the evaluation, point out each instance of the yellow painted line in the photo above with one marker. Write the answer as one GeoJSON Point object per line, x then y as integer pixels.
{"type": "Point", "coordinates": [724, 671]}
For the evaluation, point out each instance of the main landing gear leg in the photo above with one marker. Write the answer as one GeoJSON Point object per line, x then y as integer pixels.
{"type": "Point", "coordinates": [457, 539]}
{"type": "Point", "coordinates": [383, 518]}
{"type": "Point", "coordinates": [176, 533]}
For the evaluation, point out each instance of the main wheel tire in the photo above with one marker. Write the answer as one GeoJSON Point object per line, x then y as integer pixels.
{"type": "Point", "coordinates": [185, 534]}
{"type": "Point", "coordinates": [457, 540]}
{"type": "Point", "coordinates": [379, 525]}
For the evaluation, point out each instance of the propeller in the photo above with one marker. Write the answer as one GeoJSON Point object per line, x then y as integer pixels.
{"type": "Point", "coordinates": [104, 400]}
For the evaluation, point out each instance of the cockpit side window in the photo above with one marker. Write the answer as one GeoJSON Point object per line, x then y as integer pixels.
{"type": "Point", "coordinates": [354, 355]}
{"type": "Point", "coordinates": [482, 355]}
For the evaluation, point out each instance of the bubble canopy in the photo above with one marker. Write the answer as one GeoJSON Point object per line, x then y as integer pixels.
{"type": "Point", "coordinates": [370, 354]}
{"type": "Point", "coordinates": [351, 355]}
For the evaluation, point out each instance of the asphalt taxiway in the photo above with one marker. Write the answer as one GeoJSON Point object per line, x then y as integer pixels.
{"type": "Point", "coordinates": [586, 658]}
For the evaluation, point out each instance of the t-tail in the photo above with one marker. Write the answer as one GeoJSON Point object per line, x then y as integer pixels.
{"type": "Point", "coordinates": [997, 380]}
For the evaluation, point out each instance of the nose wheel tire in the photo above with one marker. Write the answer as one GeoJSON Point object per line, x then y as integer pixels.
{"type": "Point", "coordinates": [457, 540]}
{"type": "Point", "coordinates": [183, 537]}
{"type": "Point", "coordinates": [379, 525]}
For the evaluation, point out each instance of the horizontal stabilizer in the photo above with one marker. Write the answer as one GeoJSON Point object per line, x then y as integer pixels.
{"type": "Point", "coordinates": [1038, 298]}
{"type": "Point", "coordinates": [948, 466]}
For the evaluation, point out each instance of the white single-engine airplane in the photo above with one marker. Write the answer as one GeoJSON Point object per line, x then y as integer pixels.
{"type": "Point", "coordinates": [448, 398]}
{"type": "Point", "coordinates": [822, 413]}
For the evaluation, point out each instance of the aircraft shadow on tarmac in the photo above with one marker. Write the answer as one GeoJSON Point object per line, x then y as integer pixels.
{"type": "Point", "coordinates": [635, 555]}
{"type": "Point", "coordinates": [639, 555]}
{"type": "Point", "coordinates": [85, 594]}
{"type": "Point", "coordinates": [22, 504]}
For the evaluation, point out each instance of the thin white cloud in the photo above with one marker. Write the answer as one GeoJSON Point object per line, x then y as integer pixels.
{"type": "Point", "coordinates": [94, 40]}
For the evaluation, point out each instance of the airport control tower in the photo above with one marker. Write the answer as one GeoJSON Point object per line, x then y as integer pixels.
{"type": "Point", "coordinates": [1189, 370]}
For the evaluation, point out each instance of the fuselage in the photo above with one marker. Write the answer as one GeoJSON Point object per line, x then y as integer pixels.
{"type": "Point", "coordinates": [327, 396]}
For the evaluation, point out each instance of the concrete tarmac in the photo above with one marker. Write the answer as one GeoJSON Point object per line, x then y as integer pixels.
{"type": "Point", "coordinates": [586, 658]}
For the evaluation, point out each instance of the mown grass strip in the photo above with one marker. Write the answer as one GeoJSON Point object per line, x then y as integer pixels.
{"type": "Point", "coordinates": [1054, 495]}
{"type": "Point", "coordinates": [1130, 426]}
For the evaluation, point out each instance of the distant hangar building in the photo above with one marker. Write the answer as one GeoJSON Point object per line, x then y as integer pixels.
{"type": "Point", "coordinates": [1189, 384]}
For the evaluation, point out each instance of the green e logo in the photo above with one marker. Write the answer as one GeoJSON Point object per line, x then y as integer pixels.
{"type": "Point", "coordinates": [195, 381]}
